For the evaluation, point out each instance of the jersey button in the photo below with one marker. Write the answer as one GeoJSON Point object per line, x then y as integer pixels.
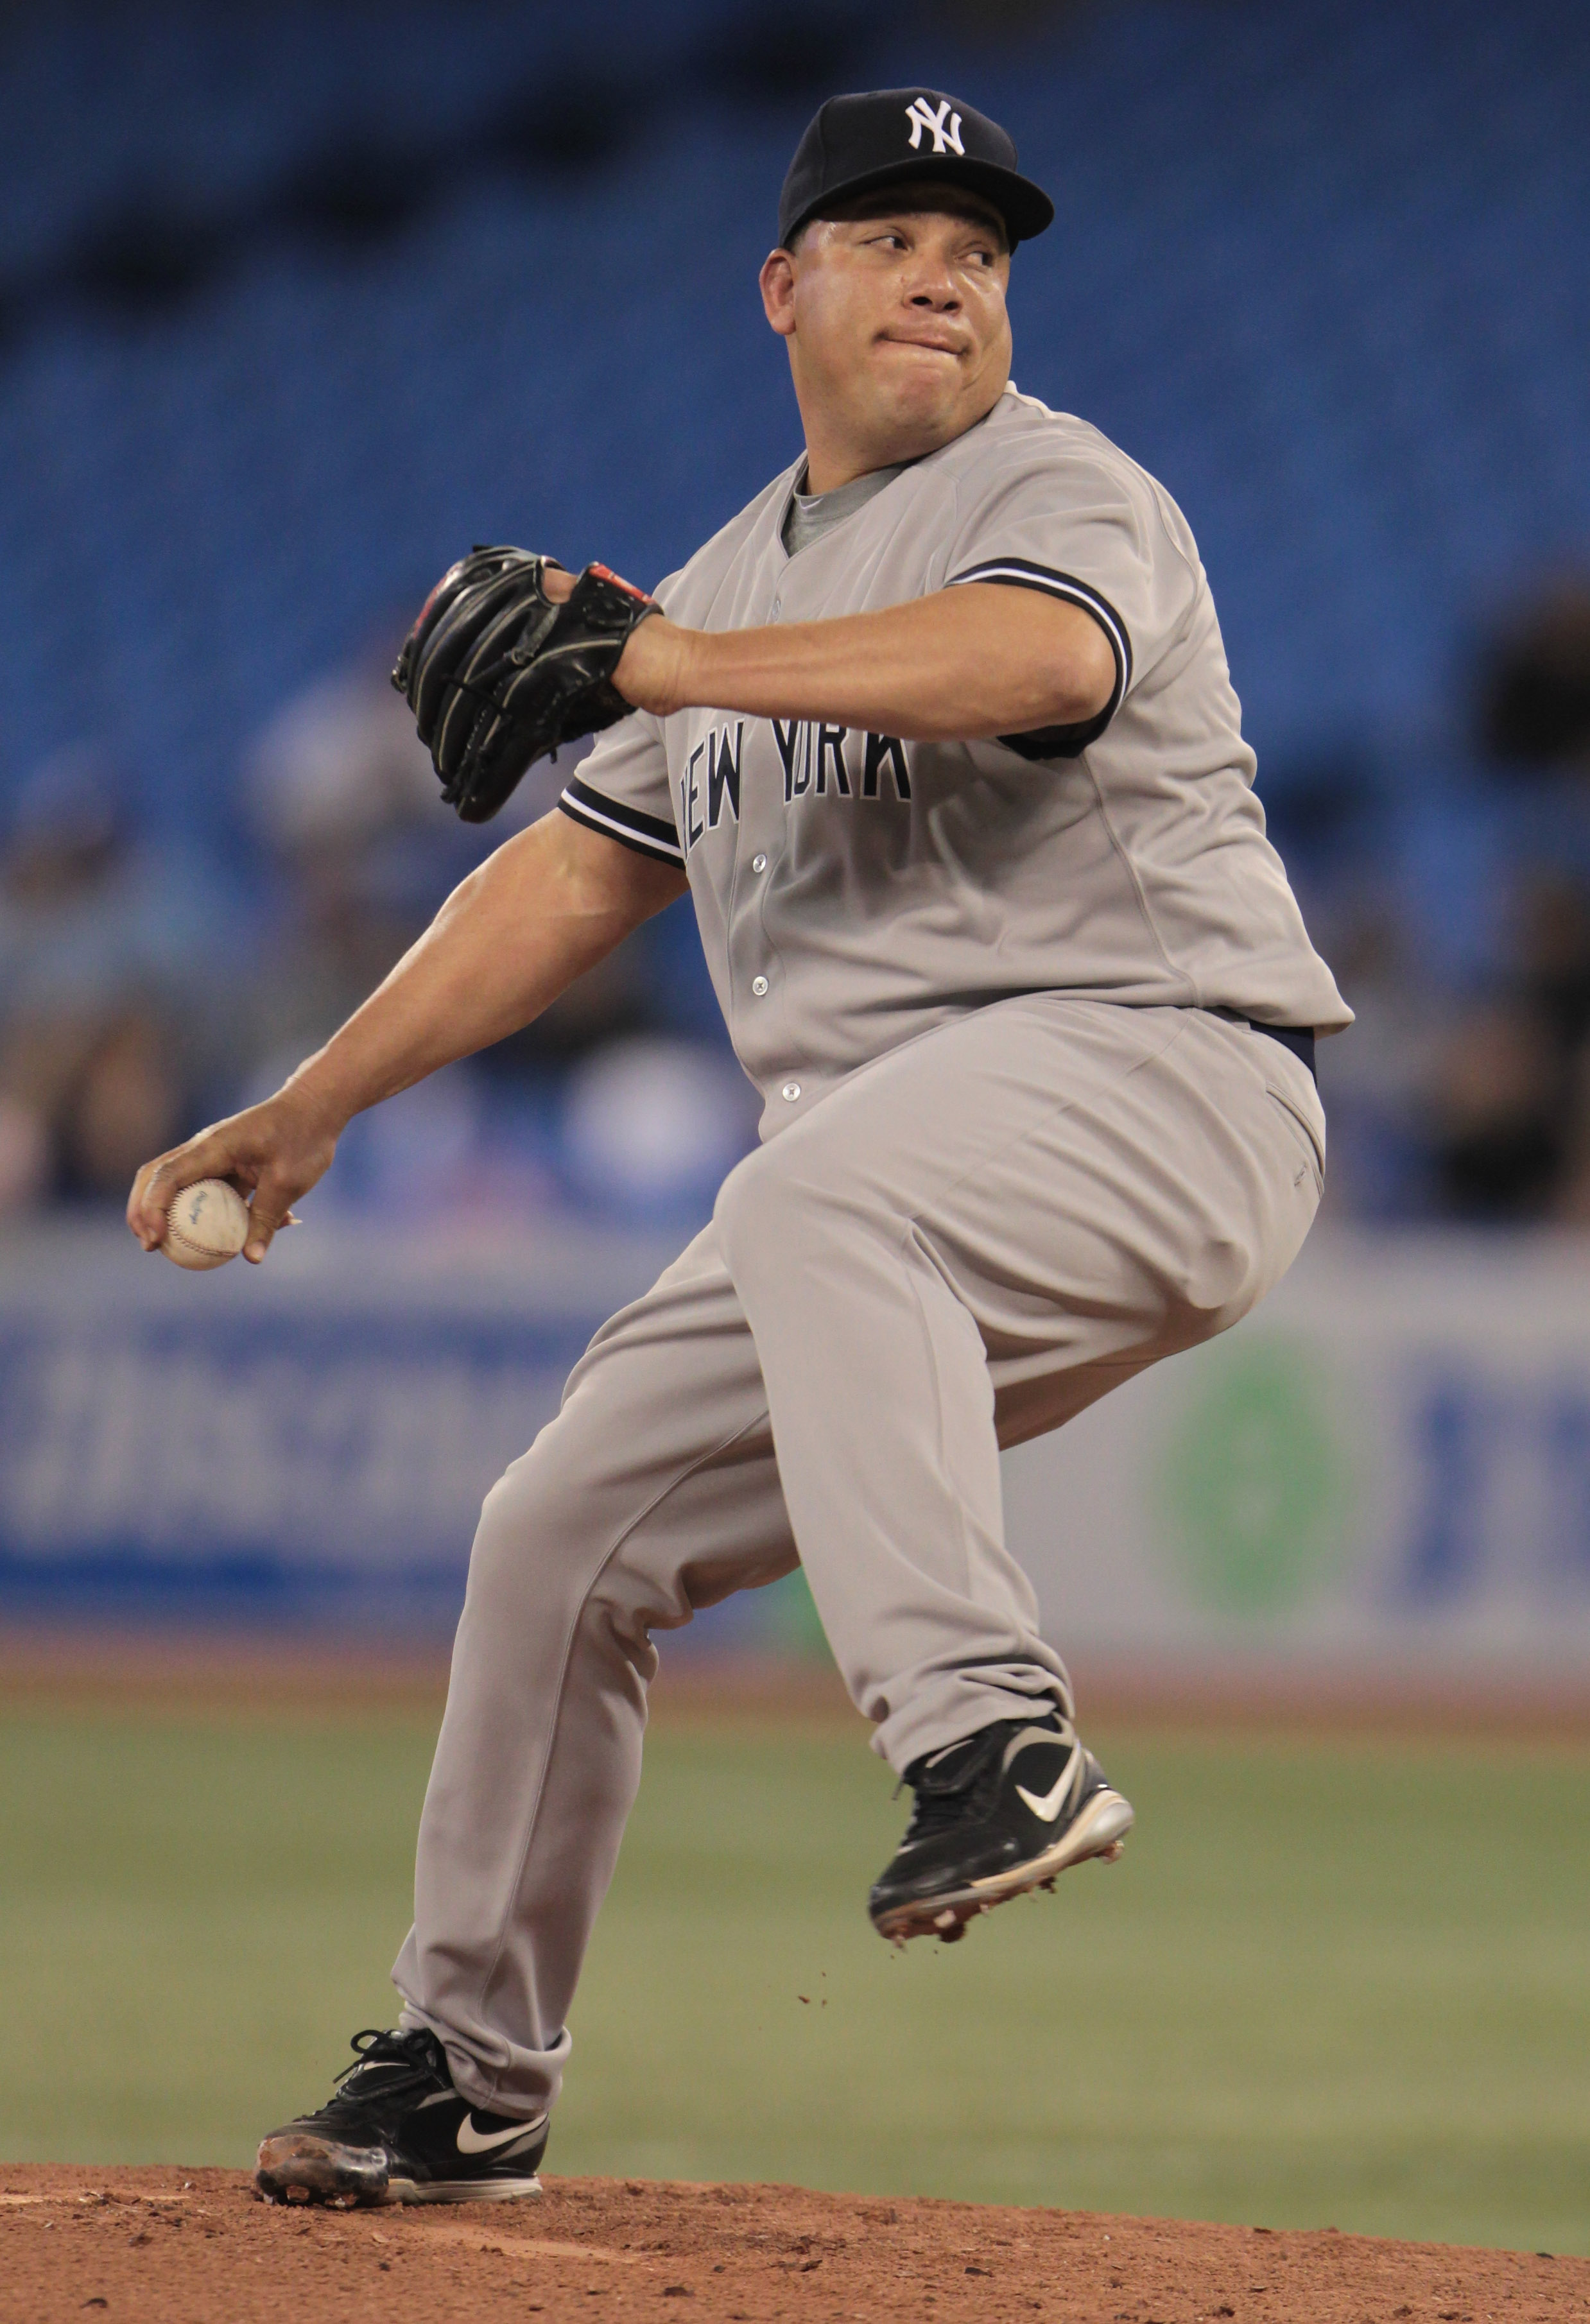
{"type": "Point", "coordinates": [759, 986]}
{"type": "Point", "coordinates": [790, 1092]}
{"type": "Point", "coordinates": [759, 864]}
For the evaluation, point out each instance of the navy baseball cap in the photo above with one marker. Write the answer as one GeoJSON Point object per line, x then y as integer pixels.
{"type": "Point", "coordinates": [854, 143]}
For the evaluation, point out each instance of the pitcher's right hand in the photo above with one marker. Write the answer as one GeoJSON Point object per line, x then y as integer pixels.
{"type": "Point", "coordinates": [271, 1153]}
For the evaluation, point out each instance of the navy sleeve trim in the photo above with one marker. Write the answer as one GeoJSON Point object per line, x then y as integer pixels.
{"type": "Point", "coordinates": [648, 834]}
{"type": "Point", "coordinates": [1021, 573]}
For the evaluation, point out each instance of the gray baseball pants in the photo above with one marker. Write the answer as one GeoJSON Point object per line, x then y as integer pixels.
{"type": "Point", "coordinates": [964, 1243]}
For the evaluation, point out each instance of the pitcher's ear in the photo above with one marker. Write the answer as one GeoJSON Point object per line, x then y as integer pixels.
{"type": "Point", "coordinates": [776, 281]}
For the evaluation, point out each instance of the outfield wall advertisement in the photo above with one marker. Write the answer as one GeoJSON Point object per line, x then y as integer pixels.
{"type": "Point", "coordinates": [1390, 1464]}
{"type": "Point", "coordinates": [305, 1443]}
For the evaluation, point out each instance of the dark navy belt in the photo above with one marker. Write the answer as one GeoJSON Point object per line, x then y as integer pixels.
{"type": "Point", "coordinates": [1298, 1038]}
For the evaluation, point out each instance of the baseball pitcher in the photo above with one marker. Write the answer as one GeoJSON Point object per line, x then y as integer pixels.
{"type": "Point", "coordinates": [939, 734]}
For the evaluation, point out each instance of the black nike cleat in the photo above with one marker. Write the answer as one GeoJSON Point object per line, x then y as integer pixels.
{"type": "Point", "coordinates": [395, 2131]}
{"type": "Point", "coordinates": [996, 1815]}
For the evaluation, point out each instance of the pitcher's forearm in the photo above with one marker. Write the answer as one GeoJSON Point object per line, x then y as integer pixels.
{"type": "Point", "coordinates": [980, 659]}
{"type": "Point", "coordinates": [549, 904]}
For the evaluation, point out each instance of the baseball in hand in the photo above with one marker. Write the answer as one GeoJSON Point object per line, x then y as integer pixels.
{"type": "Point", "coordinates": [207, 1224]}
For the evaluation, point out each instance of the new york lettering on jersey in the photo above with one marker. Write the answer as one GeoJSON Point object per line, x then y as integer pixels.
{"type": "Point", "coordinates": [818, 762]}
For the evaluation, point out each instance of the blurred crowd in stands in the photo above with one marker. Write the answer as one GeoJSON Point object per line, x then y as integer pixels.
{"type": "Point", "coordinates": [139, 996]}
{"type": "Point", "coordinates": [1463, 1090]}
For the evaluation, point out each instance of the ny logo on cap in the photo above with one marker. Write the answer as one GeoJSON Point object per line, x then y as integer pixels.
{"type": "Point", "coordinates": [922, 116]}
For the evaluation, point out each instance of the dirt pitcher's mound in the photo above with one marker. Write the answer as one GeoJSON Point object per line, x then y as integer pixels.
{"type": "Point", "coordinates": [197, 2247]}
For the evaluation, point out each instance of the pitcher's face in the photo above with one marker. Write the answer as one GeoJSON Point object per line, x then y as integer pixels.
{"type": "Point", "coordinates": [896, 319]}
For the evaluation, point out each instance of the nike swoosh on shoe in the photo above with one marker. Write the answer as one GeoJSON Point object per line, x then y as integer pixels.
{"type": "Point", "coordinates": [1047, 1808]}
{"type": "Point", "coordinates": [487, 2141]}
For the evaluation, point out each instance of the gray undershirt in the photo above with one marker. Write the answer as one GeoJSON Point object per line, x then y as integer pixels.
{"type": "Point", "coordinates": [811, 514]}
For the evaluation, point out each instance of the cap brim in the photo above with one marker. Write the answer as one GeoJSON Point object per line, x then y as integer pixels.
{"type": "Point", "coordinates": [1025, 207]}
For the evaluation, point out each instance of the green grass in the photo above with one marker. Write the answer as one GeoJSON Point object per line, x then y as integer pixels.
{"type": "Point", "coordinates": [1330, 1984]}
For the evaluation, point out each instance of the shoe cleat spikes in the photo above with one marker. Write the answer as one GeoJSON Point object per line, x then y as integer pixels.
{"type": "Point", "coordinates": [995, 1816]}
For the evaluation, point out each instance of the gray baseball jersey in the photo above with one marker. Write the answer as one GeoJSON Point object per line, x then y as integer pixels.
{"type": "Point", "coordinates": [854, 889]}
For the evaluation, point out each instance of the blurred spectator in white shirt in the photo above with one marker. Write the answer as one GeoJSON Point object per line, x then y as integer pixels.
{"type": "Point", "coordinates": [343, 792]}
{"type": "Point", "coordinates": [111, 1003]}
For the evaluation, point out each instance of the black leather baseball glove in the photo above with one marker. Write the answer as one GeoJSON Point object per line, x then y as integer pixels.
{"type": "Point", "coordinates": [498, 676]}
